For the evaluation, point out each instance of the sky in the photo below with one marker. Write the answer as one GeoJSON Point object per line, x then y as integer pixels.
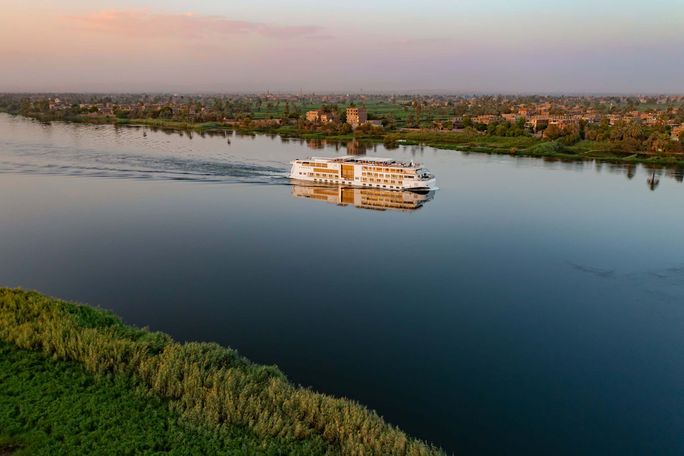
{"type": "Point", "coordinates": [457, 46]}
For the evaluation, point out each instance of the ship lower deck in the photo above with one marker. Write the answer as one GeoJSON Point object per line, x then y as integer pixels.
{"type": "Point", "coordinates": [427, 186]}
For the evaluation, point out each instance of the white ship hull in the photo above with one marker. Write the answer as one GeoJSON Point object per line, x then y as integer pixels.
{"type": "Point", "coordinates": [360, 172]}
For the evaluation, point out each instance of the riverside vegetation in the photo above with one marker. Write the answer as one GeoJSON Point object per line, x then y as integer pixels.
{"type": "Point", "coordinates": [409, 120]}
{"type": "Point", "coordinates": [77, 376]}
{"type": "Point", "coordinates": [51, 407]}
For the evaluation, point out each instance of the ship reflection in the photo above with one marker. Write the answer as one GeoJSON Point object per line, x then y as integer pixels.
{"type": "Point", "coordinates": [364, 198]}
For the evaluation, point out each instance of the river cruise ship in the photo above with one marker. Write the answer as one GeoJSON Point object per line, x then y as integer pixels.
{"type": "Point", "coordinates": [356, 171]}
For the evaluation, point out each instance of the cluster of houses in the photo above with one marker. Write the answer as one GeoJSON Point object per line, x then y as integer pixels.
{"type": "Point", "coordinates": [677, 132]}
{"type": "Point", "coordinates": [539, 118]}
{"type": "Point", "coordinates": [108, 109]}
{"type": "Point", "coordinates": [356, 117]}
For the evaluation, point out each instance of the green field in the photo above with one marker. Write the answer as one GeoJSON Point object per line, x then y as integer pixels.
{"type": "Point", "coordinates": [376, 109]}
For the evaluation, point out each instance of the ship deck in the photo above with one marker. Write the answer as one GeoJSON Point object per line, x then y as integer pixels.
{"type": "Point", "coordinates": [349, 159]}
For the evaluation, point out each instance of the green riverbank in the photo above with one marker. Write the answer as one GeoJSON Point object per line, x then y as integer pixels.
{"type": "Point", "coordinates": [76, 380]}
{"type": "Point", "coordinates": [529, 146]}
{"type": "Point", "coordinates": [52, 407]}
{"type": "Point", "coordinates": [524, 146]}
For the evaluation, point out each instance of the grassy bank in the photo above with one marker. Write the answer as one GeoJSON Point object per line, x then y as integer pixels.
{"type": "Point", "coordinates": [166, 124]}
{"type": "Point", "coordinates": [51, 407]}
{"type": "Point", "coordinates": [205, 385]}
{"type": "Point", "coordinates": [529, 146]}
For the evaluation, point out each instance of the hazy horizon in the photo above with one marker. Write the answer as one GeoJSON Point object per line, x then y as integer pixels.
{"type": "Point", "coordinates": [431, 92]}
{"type": "Point", "coordinates": [488, 47]}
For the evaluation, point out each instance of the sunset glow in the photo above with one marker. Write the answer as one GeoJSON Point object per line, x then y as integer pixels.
{"type": "Point", "coordinates": [457, 46]}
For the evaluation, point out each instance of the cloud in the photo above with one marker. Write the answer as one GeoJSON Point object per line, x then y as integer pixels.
{"type": "Point", "coordinates": [147, 24]}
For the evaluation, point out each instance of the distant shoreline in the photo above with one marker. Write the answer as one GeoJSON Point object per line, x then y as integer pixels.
{"type": "Point", "coordinates": [521, 146]}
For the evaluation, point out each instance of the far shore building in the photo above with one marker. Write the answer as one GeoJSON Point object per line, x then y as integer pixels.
{"type": "Point", "coordinates": [313, 116]}
{"type": "Point", "coordinates": [512, 118]}
{"type": "Point", "coordinates": [563, 122]}
{"type": "Point", "coordinates": [356, 116]}
{"type": "Point", "coordinates": [537, 123]}
{"type": "Point", "coordinates": [526, 111]}
{"type": "Point", "coordinates": [328, 117]}
{"type": "Point", "coordinates": [486, 119]}
{"type": "Point", "coordinates": [677, 132]}
{"type": "Point", "coordinates": [319, 116]}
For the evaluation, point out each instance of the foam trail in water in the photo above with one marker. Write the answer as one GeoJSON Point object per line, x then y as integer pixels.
{"type": "Point", "coordinates": [42, 159]}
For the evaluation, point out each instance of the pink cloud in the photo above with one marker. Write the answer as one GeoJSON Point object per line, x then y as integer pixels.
{"type": "Point", "coordinates": [146, 24]}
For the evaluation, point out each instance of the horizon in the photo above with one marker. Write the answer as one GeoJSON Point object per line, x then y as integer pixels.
{"type": "Point", "coordinates": [436, 93]}
{"type": "Point", "coordinates": [490, 47]}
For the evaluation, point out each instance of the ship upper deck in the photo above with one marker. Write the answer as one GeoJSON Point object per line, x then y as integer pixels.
{"type": "Point", "coordinates": [372, 161]}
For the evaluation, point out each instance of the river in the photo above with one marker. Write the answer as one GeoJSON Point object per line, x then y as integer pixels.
{"type": "Point", "coordinates": [527, 307]}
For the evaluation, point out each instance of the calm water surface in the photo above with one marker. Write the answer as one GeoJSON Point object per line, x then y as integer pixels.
{"type": "Point", "coordinates": [528, 307]}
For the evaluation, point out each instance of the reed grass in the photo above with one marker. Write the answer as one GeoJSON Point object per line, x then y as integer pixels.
{"type": "Point", "coordinates": [204, 382]}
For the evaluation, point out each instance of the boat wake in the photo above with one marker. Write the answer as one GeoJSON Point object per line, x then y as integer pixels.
{"type": "Point", "coordinates": [27, 159]}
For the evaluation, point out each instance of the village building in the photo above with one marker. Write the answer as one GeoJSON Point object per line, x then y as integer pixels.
{"type": "Point", "coordinates": [614, 119]}
{"type": "Point", "coordinates": [320, 116]}
{"type": "Point", "coordinates": [527, 111]}
{"type": "Point", "coordinates": [485, 119]}
{"type": "Point", "coordinates": [537, 122]}
{"type": "Point", "coordinates": [356, 116]}
{"type": "Point", "coordinates": [313, 116]}
{"type": "Point", "coordinates": [56, 104]}
{"type": "Point", "coordinates": [512, 118]}
{"type": "Point", "coordinates": [328, 117]}
{"type": "Point", "coordinates": [589, 117]}
{"type": "Point", "coordinates": [564, 122]}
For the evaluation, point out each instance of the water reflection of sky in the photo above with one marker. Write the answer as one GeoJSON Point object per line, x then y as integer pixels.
{"type": "Point", "coordinates": [529, 307]}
